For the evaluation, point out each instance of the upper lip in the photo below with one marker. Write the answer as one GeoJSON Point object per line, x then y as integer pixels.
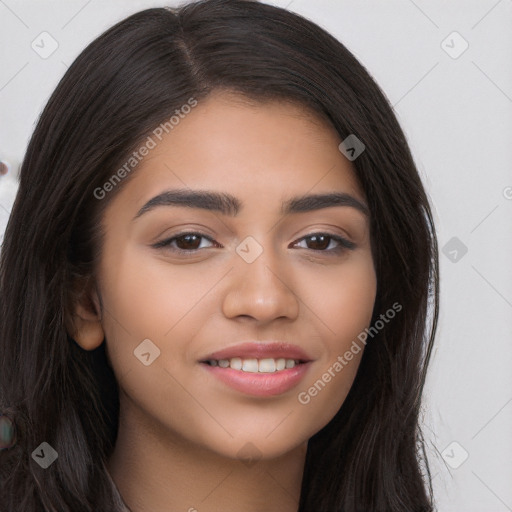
{"type": "Point", "coordinates": [261, 350]}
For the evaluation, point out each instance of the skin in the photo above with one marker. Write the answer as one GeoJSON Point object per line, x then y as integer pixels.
{"type": "Point", "coordinates": [181, 429]}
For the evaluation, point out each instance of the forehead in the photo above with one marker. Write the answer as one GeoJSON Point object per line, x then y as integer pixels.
{"type": "Point", "coordinates": [256, 151]}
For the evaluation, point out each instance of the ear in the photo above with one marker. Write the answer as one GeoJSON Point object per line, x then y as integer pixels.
{"type": "Point", "coordinates": [86, 327]}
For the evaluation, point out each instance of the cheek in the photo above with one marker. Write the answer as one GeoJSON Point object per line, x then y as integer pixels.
{"type": "Point", "coordinates": [133, 307]}
{"type": "Point", "coordinates": [343, 306]}
{"type": "Point", "coordinates": [341, 298]}
{"type": "Point", "coordinates": [147, 298]}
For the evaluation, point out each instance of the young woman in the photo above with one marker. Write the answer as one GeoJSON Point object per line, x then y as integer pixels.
{"type": "Point", "coordinates": [219, 279]}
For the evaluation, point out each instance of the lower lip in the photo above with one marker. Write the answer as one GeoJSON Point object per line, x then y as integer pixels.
{"type": "Point", "coordinates": [260, 384]}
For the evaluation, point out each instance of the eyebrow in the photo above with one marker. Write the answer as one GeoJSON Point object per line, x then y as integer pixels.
{"type": "Point", "coordinates": [228, 204]}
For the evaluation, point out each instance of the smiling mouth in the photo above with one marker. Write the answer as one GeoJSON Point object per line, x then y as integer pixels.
{"type": "Point", "coordinates": [258, 377]}
{"type": "Point", "coordinates": [252, 365]}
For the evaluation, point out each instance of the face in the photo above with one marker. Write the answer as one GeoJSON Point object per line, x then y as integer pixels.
{"type": "Point", "coordinates": [255, 280]}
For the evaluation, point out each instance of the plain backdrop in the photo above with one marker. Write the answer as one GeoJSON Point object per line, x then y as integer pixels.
{"type": "Point", "coordinates": [447, 69]}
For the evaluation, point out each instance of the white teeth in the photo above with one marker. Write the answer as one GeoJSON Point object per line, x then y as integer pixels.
{"type": "Point", "coordinates": [236, 363]}
{"type": "Point", "coordinates": [268, 365]}
{"type": "Point", "coordinates": [250, 365]}
{"type": "Point", "coordinates": [290, 363]}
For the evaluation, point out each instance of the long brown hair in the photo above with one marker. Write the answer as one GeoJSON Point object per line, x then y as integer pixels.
{"type": "Point", "coordinates": [124, 84]}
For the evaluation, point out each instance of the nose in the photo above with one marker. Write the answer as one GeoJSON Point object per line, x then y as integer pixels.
{"type": "Point", "coordinates": [261, 290]}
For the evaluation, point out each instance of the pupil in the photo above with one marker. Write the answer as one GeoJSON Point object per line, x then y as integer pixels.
{"type": "Point", "coordinates": [320, 245]}
{"type": "Point", "coordinates": [187, 243]}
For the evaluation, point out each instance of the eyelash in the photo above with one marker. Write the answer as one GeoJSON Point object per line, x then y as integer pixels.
{"type": "Point", "coordinates": [344, 244]}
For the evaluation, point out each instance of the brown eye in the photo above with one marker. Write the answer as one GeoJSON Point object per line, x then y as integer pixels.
{"type": "Point", "coordinates": [184, 243]}
{"type": "Point", "coordinates": [188, 242]}
{"type": "Point", "coordinates": [319, 242]}
{"type": "Point", "coordinates": [325, 242]}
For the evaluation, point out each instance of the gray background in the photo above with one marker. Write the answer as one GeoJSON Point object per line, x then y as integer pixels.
{"type": "Point", "coordinates": [456, 112]}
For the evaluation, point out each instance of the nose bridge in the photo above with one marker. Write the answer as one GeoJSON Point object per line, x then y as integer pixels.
{"type": "Point", "coordinates": [261, 283]}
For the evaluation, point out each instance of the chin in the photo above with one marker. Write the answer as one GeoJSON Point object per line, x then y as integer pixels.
{"type": "Point", "coordinates": [253, 446]}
